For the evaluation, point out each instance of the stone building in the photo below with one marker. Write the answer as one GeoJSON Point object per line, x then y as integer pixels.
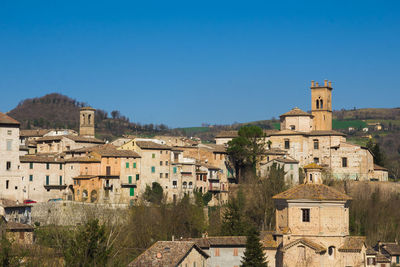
{"type": "Point", "coordinates": [312, 226]}
{"type": "Point", "coordinates": [10, 169]}
{"type": "Point", "coordinates": [289, 165]}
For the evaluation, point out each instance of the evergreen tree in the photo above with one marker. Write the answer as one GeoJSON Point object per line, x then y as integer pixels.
{"type": "Point", "coordinates": [254, 255]}
{"type": "Point", "coordinates": [234, 221]}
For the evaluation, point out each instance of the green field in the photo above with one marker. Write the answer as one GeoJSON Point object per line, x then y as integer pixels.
{"type": "Point", "coordinates": [193, 130]}
{"type": "Point", "coordinates": [356, 124]}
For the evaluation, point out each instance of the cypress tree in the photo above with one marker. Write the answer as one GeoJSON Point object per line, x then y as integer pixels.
{"type": "Point", "coordinates": [254, 255]}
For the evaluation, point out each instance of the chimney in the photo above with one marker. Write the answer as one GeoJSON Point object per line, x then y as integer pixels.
{"type": "Point", "coordinates": [312, 83]}
{"type": "Point", "coordinates": [325, 83]}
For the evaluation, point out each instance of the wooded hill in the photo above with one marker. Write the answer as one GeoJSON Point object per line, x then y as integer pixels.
{"type": "Point", "coordinates": [57, 111]}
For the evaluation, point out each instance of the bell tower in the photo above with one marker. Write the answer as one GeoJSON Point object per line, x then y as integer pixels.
{"type": "Point", "coordinates": [321, 105]}
{"type": "Point", "coordinates": [86, 125]}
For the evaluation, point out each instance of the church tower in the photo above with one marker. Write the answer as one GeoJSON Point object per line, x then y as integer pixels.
{"type": "Point", "coordinates": [321, 105]}
{"type": "Point", "coordinates": [86, 125]}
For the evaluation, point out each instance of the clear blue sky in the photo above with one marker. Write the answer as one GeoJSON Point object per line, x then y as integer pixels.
{"type": "Point", "coordinates": [183, 63]}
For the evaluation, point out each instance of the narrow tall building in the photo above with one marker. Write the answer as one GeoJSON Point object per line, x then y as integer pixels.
{"type": "Point", "coordinates": [321, 105]}
{"type": "Point", "coordinates": [86, 125]}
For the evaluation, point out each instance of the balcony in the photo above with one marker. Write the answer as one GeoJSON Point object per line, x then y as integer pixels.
{"type": "Point", "coordinates": [214, 187]}
{"type": "Point", "coordinates": [55, 186]}
{"type": "Point", "coordinates": [128, 185]}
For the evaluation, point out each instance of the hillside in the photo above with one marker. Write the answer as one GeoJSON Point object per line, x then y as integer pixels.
{"type": "Point", "coordinates": [59, 111]}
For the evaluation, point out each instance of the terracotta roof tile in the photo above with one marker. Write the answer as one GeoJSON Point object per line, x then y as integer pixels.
{"type": "Point", "coordinates": [353, 244]}
{"type": "Point", "coordinates": [379, 168]}
{"type": "Point", "coordinates": [296, 112]}
{"type": "Point", "coordinates": [219, 241]}
{"type": "Point", "coordinates": [40, 159]}
{"type": "Point", "coordinates": [391, 248]}
{"type": "Point", "coordinates": [165, 254]}
{"type": "Point", "coordinates": [5, 119]}
{"type": "Point", "coordinates": [33, 133]}
{"type": "Point", "coordinates": [227, 134]}
{"type": "Point", "coordinates": [312, 166]}
{"type": "Point", "coordinates": [151, 145]}
{"type": "Point", "coordinates": [312, 192]}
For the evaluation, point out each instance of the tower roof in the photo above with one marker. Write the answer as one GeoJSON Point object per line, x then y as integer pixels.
{"type": "Point", "coordinates": [312, 192]}
{"type": "Point", "coordinates": [4, 119]}
{"type": "Point", "coordinates": [296, 112]}
{"type": "Point", "coordinates": [313, 166]}
{"type": "Point", "coordinates": [87, 108]}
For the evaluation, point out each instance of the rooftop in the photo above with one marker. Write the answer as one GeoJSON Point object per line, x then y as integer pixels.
{"type": "Point", "coordinates": [152, 145]}
{"type": "Point", "coordinates": [353, 244]}
{"type": "Point", "coordinates": [312, 192]}
{"type": "Point", "coordinates": [219, 241]}
{"type": "Point", "coordinates": [5, 119]}
{"type": "Point", "coordinates": [296, 112]}
{"type": "Point", "coordinates": [166, 254]}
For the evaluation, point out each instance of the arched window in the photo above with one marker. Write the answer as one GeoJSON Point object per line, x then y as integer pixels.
{"type": "Point", "coordinates": [310, 177]}
{"type": "Point", "coordinates": [83, 119]}
{"type": "Point", "coordinates": [331, 251]}
{"type": "Point", "coordinates": [317, 103]}
{"type": "Point", "coordinates": [89, 118]}
{"type": "Point", "coordinates": [322, 104]}
{"type": "Point", "coordinates": [93, 196]}
{"type": "Point", "coordinates": [190, 185]}
{"type": "Point", "coordinates": [84, 195]}
{"type": "Point", "coordinates": [302, 253]}
{"type": "Point", "coordinates": [184, 186]}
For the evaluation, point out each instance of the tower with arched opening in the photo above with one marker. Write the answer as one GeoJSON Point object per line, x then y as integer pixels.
{"type": "Point", "coordinates": [321, 105]}
{"type": "Point", "coordinates": [86, 125]}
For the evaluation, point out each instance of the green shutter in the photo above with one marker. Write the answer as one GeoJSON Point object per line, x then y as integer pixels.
{"type": "Point", "coordinates": [153, 156]}
{"type": "Point", "coordinates": [60, 166]}
{"type": "Point", "coordinates": [137, 177]}
{"type": "Point", "coordinates": [174, 169]}
{"type": "Point", "coordinates": [60, 180]}
{"type": "Point", "coordinates": [134, 165]}
{"type": "Point", "coordinates": [153, 169]}
{"type": "Point", "coordinates": [31, 177]}
{"type": "Point", "coordinates": [127, 165]}
{"type": "Point", "coordinates": [47, 165]}
{"type": "Point", "coordinates": [31, 165]}
{"type": "Point", "coordinates": [132, 191]}
{"type": "Point", "coordinates": [47, 180]}
{"type": "Point", "coordinates": [130, 179]}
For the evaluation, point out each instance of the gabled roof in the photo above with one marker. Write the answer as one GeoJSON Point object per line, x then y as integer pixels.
{"type": "Point", "coordinates": [152, 145]}
{"type": "Point", "coordinates": [391, 248]}
{"type": "Point", "coordinates": [285, 160]}
{"type": "Point", "coordinates": [227, 134]}
{"type": "Point", "coordinates": [312, 192]}
{"type": "Point", "coordinates": [306, 242]}
{"type": "Point", "coordinates": [40, 159]}
{"type": "Point", "coordinates": [5, 119]}
{"type": "Point", "coordinates": [109, 150]}
{"type": "Point", "coordinates": [353, 244]}
{"type": "Point", "coordinates": [166, 254]}
{"type": "Point", "coordinates": [33, 133]}
{"type": "Point", "coordinates": [296, 112]}
{"type": "Point", "coordinates": [79, 139]}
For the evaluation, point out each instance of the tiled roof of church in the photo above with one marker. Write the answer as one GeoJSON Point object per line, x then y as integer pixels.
{"type": "Point", "coordinates": [296, 112]}
{"type": "Point", "coordinates": [353, 244]}
{"type": "Point", "coordinates": [312, 166]}
{"type": "Point", "coordinates": [312, 192]}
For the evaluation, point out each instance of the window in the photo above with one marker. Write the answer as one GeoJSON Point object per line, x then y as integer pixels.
{"type": "Point", "coordinates": [160, 163]}
{"type": "Point", "coordinates": [47, 180]}
{"type": "Point", "coordinates": [321, 104]}
{"type": "Point", "coordinates": [217, 252]}
{"type": "Point", "coordinates": [134, 165]}
{"type": "Point", "coordinates": [9, 145]}
{"type": "Point", "coordinates": [60, 166]}
{"type": "Point", "coordinates": [127, 165]}
{"type": "Point", "coordinates": [184, 186]}
{"type": "Point", "coordinates": [153, 156]}
{"type": "Point", "coordinates": [292, 127]}
{"type": "Point", "coordinates": [305, 215]}
{"type": "Point", "coordinates": [291, 177]}
{"type": "Point", "coordinates": [316, 144]}
{"type": "Point", "coordinates": [130, 179]}
{"type": "Point", "coordinates": [153, 169]}
{"type": "Point", "coordinates": [30, 178]}
{"type": "Point", "coordinates": [161, 175]}
{"type": "Point", "coordinates": [174, 184]}
{"type": "Point", "coordinates": [316, 160]}
{"type": "Point", "coordinates": [397, 259]}
{"type": "Point", "coordinates": [8, 165]}
{"type": "Point", "coordinates": [235, 252]}
{"type": "Point", "coordinates": [166, 175]}
{"type": "Point", "coordinates": [9, 132]}
{"type": "Point", "coordinates": [131, 191]}
{"type": "Point", "coordinates": [302, 253]}
{"type": "Point", "coordinates": [60, 179]}
{"type": "Point", "coordinates": [31, 165]}
{"type": "Point", "coordinates": [7, 183]}
{"type": "Point", "coordinates": [190, 185]}
{"type": "Point", "coordinates": [291, 166]}
{"type": "Point", "coordinates": [47, 166]}
{"type": "Point", "coordinates": [344, 162]}
{"type": "Point", "coordinates": [166, 163]}
{"type": "Point", "coordinates": [137, 177]}
{"type": "Point", "coordinates": [317, 103]}
{"type": "Point", "coordinates": [331, 251]}
{"type": "Point", "coordinates": [287, 144]}
{"type": "Point", "coordinates": [174, 169]}
{"type": "Point", "coordinates": [160, 151]}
